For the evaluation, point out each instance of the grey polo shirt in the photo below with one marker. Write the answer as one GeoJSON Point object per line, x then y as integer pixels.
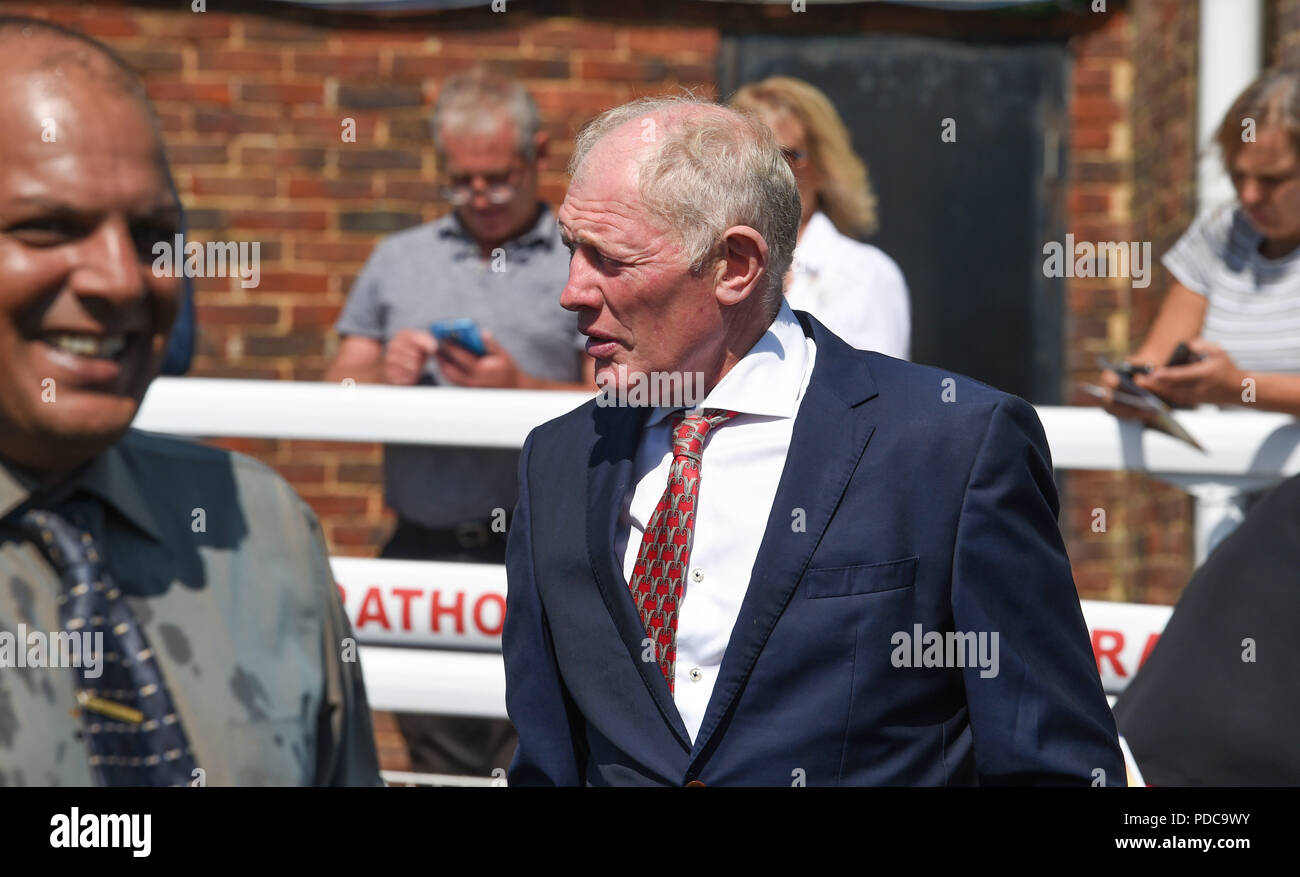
{"type": "Point", "coordinates": [238, 604]}
{"type": "Point", "coordinates": [434, 272]}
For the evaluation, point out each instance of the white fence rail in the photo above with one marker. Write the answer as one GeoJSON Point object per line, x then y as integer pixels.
{"type": "Point", "coordinates": [430, 632]}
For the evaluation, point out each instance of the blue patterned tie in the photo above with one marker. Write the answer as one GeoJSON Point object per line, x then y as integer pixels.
{"type": "Point", "coordinates": [133, 733]}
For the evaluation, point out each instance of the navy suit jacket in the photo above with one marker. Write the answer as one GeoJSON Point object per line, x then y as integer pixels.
{"type": "Point", "coordinates": [916, 511]}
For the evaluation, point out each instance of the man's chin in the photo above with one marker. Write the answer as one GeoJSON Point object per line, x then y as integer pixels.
{"type": "Point", "coordinates": [70, 430]}
{"type": "Point", "coordinates": [610, 373]}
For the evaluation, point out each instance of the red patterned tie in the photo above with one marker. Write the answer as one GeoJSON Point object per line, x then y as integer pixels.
{"type": "Point", "coordinates": [659, 577]}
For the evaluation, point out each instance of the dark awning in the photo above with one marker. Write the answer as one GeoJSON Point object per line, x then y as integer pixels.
{"type": "Point", "coordinates": [431, 5]}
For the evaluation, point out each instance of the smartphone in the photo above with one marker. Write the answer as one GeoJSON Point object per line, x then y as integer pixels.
{"type": "Point", "coordinates": [1183, 355]}
{"type": "Point", "coordinates": [1129, 369]}
{"type": "Point", "coordinates": [462, 332]}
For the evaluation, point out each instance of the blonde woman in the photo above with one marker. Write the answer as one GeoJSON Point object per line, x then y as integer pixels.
{"type": "Point", "coordinates": [1235, 302]}
{"type": "Point", "coordinates": [853, 288]}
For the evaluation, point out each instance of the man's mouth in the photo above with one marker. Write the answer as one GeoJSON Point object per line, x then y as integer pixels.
{"type": "Point", "coordinates": [603, 350]}
{"type": "Point", "coordinates": [87, 345]}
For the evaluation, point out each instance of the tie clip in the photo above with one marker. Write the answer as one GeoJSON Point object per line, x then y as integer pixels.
{"type": "Point", "coordinates": [112, 709]}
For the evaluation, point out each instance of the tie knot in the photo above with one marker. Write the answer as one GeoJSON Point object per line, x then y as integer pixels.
{"type": "Point", "coordinates": [64, 536]}
{"type": "Point", "coordinates": [689, 432]}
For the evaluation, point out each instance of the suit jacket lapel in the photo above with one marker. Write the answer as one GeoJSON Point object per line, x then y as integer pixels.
{"type": "Point", "coordinates": [829, 438]}
{"type": "Point", "coordinates": [609, 476]}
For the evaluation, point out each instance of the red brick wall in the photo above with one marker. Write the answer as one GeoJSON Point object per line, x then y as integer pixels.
{"type": "Point", "coordinates": [1284, 31]}
{"type": "Point", "coordinates": [1133, 175]}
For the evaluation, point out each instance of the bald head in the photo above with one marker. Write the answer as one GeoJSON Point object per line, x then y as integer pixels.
{"type": "Point", "coordinates": [28, 46]}
{"type": "Point", "coordinates": [642, 128]}
{"type": "Point", "coordinates": [47, 71]}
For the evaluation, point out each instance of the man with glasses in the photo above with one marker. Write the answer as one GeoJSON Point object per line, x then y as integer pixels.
{"type": "Point", "coordinates": [496, 259]}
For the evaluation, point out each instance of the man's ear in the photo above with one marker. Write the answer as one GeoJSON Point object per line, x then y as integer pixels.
{"type": "Point", "coordinates": [744, 265]}
{"type": "Point", "coordinates": [541, 143]}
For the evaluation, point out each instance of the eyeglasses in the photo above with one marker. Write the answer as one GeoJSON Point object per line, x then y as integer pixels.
{"type": "Point", "coordinates": [460, 194]}
{"type": "Point", "coordinates": [797, 158]}
{"type": "Point", "coordinates": [498, 188]}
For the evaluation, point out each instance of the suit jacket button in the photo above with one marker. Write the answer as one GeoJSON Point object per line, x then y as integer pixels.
{"type": "Point", "coordinates": [694, 784]}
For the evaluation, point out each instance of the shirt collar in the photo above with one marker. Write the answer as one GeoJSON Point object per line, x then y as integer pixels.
{"type": "Point", "coordinates": [107, 476]}
{"type": "Point", "coordinates": [767, 380]}
{"type": "Point", "coordinates": [15, 487]}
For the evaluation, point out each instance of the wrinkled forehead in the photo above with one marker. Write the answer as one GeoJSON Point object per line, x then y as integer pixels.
{"type": "Point", "coordinates": [614, 161]}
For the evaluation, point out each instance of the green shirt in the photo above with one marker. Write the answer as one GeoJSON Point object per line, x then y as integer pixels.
{"type": "Point", "coordinates": [226, 570]}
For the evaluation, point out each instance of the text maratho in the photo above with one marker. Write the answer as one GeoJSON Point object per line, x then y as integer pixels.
{"type": "Point", "coordinates": [447, 611]}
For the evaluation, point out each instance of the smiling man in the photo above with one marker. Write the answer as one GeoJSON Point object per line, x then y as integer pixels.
{"type": "Point", "coordinates": [201, 573]}
{"type": "Point", "coordinates": [729, 594]}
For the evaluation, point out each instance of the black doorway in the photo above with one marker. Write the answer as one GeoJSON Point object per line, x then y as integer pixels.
{"type": "Point", "coordinates": [965, 220]}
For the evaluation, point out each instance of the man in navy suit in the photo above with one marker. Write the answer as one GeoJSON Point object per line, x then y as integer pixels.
{"type": "Point", "coordinates": [837, 568]}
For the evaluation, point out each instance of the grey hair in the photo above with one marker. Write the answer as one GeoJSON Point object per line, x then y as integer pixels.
{"type": "Point", "coordinates": [708, 170]}
{"type": "Point", "coordinates": [477, 100]}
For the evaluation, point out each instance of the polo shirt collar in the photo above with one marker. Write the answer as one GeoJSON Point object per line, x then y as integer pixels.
{"type": "Point", "coordinates": [544, 231]}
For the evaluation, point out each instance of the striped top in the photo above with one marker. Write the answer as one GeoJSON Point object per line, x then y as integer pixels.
{"type": "Point", "coordinates": [1254, 302]}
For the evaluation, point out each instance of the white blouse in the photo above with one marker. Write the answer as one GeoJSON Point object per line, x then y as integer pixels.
{"type": "Point", "coordinates": [853, 288]}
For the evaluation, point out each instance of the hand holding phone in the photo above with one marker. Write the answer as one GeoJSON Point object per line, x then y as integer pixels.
{"type": "Point", "coordinates": [462, 332]}
{"type": "Point", "coordinates": [1125, 396]}
{"type": "Point", "coordinates": [405, 355]}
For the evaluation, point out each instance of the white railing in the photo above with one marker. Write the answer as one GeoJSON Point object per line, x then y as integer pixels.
{"type": "Point", "coordinates": [430, 634]}
{"type": "Point", "coordinates": [448, 659]}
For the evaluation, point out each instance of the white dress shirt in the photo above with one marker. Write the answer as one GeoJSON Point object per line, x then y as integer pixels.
{"type": "Point", "coordinates": [852, 288]}
{"type": "Point", "coordinates": [740, 469]}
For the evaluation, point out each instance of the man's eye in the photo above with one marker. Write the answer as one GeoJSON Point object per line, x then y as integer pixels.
{"type": "Point", "coordinates": [603, 262]}
{"type": "Point", "coordinates": [46, 232]}
{"type": "Point", "coordinates": [146, 235]}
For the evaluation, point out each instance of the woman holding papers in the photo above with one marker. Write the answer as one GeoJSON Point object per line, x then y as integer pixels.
{"type": "Point", "coordinates": [1236, 299]}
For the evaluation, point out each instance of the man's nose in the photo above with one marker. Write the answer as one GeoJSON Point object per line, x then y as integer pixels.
{"type": "Point", "coordinates": [478, 192]}
{"type": "Point", "coordinates": [108, 265]}
{"type": "Point", "coordinates": [578, 293]}
{"type": "Point", "coordinates": [1250, 192]}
